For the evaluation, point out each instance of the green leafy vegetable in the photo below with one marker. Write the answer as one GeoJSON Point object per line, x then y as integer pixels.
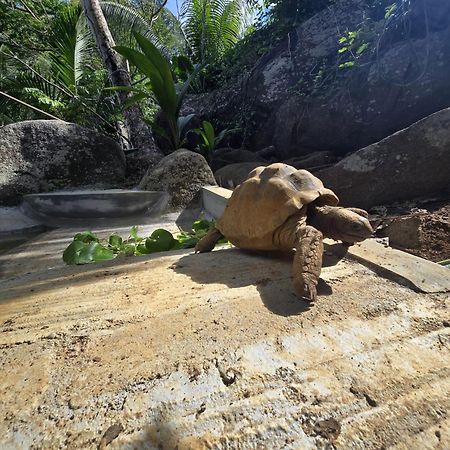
{"type": "Point", "coordinates": [87, 248]}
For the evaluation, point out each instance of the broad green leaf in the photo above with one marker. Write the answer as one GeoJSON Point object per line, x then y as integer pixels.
{"type": "Point", "coordinates": [86, 236]}
{"type": "Point", "coordinates": [166, 94]}
{"type": "Point", "coordinates": [342, 40]}
{"type": "Point", "coordinates": [115, 240]}
{"type": "Point", "coordinates": [343, 49]}
{"type": "Point", "coordinates": [71, 253]}
{"type": "Point", "coordinates": [202, 225]}
{"type": "Point", "coordinates": [190, 242]}
{"type": "Point", "coordinates": [142, 63]}
{"type": "Point", "coordinates": [209, 132]}
{"type": "Point", "coordinates": [141, 249]}
{"type": "Point", "coordinates": [128, 249]}
{"type": "Point", "coordinates": [186, 85]}
{"type": "Point", "coordinates": [159, 241]}
{"type": "Point", "coordinates": [100, 253]}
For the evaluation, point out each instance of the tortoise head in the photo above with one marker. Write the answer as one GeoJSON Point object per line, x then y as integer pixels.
{"type": "Point", "coordinates": [349, 225]}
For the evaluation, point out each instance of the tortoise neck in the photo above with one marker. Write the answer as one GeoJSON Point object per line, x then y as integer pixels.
{"type": "Point", "coordinates": [321, 218]}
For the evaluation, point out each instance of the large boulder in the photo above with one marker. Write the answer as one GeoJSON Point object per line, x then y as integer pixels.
{"type": "Point", "coordinates": [224, 156]}
{"type": "Point", "coordinates": [312, 161]}
{"type": "Point", "coordinates": [181, 174]}
{"type": "Point", "coordinates": [414, 162]}
{"type": "Point", "coordinates": [301, 96]}
{"type": "Point", "coordinates": [47, 155]}
{"type": "Point", "coordinates": [234, 174]}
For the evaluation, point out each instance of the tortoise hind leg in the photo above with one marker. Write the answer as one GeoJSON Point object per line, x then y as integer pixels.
{"type": "Point", "coordinates": [209, 241]}
{"type": "Point", "coordinates": [307, 262]}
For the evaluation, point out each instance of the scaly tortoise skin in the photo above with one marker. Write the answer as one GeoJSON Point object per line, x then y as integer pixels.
{"type": "Point", "coordinates": [281, 208]}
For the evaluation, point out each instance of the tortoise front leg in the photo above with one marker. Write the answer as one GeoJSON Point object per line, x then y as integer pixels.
{"type": "Point", "coordinates": [307, 262]}
{"type": "Point", "coordinates": [209, 241]}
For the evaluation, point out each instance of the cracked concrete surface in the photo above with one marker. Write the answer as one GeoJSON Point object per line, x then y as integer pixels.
{"type": "Point", "coordinates": [214, 351]}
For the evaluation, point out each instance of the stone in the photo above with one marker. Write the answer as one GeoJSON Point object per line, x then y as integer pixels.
{"type": "Point", "coordinates": [403, 232]}
{"type": "Point", "coordinates": [297, 98]}
{"type": "Point", "coordinates": [47, 155]}
{"type": "Point", "coordinates": [234, 174]}
{"type": "Point", "coordinates": [313, 160]}
{"type": "Point", "coordinates": [224, 156]}
{"type": "Point", "coordinates": [137, 164]}
{"type": "Point", "coordinates": [414, 162]}
{"type": "Point", "coordinates": [267, 152]}
{"type": "Point", "coordinates": [181, 174]}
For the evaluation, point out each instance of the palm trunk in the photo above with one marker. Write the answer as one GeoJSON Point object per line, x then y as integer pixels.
{"type": "Point", "coordinates": [139, 132]}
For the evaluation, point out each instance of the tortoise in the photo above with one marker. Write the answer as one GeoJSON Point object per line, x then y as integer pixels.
{"type": "Point", "coordinates": [281, 208]}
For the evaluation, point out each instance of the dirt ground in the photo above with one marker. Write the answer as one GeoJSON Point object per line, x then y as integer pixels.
{"type": "Point", "coordinates": [433, 227]}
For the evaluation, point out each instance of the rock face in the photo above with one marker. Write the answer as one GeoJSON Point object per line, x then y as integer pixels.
{"type": "Point", "coordinates": [181, 174]}
{"type": "Point", "coordinates": [234, 174]}
{"type": "Point", "coordinates": [225, 156]}
{"type": "Point", "coordinates": [46, 155]}
{"type": "Point", "coordinates": [299, 99]}
{"type": "Point", "coordinates": [413, 162]}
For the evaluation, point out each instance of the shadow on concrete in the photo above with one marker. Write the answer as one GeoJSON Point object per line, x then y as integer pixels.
{"type": "Point", "coordinates": [270, 272]}
{"type": "Point", "coordinates": [162, 434]}
{"type": "Point", "coordinates": [41, 270]}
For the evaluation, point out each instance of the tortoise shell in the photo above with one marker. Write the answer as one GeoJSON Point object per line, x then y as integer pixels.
{"type": "Point", "coordinates": [266, 199]}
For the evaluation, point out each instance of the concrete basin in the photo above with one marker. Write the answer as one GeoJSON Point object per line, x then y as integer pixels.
{"type": "Point", "coordinates": [94, 204]}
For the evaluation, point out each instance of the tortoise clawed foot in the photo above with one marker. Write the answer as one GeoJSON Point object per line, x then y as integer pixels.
{"type": "Point", "coordinates": [208, 242]}
{"type": "Point", "coordinates": [204, 246]}
{"type": "Point", "coordinates": [306, 289]}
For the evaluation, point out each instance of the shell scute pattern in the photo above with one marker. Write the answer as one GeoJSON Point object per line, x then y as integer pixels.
{"type": "Point", "coordinates": [265, 200]}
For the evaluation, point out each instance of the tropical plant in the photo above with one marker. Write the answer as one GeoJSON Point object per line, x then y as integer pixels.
{"type": "Point", "coordinates": [86, 247]}
{"type": "Point", "coordinates": [153, 65]}
{"type": "Point", "coordinates": [154, 22]}
{"type": "Point", "coordinates": [208, 139]}
{"type": "Point", "coordinates": [72, 47]}
{"type": "Point", "coordinates": [212, 27]}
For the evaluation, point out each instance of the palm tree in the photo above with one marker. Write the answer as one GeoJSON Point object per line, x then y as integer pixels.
{"type": "Point", "coordinates": [212, 27]}
{"type": "Point", "coordinates": [139, 132]}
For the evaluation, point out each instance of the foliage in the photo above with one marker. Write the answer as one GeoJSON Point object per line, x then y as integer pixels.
{"type": "Point", "coordinates": [49, 60]}
{"type": "Point", "coordinates": [71, 46]}
{"type": "Point", "coordinates": [208, 139]}
{"type": "Point", "coordinates": [274, 21]}
{"type": "Point", "coordinates": [153, 65]}
{"type": "Point", "coordinates": [63, 77]}
{"type": "Point", "coordinates": [86, 247]}
{"type": "Point", "coordinates": [212, 27]}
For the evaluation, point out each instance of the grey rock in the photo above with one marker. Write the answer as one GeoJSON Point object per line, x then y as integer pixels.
{"type": "Point", "coordinates": [298, 99]}
{"type": "Point", "coordinates": [48, 155]}
{"type": "Point", "coordinates": [312, 161]}
{"type": "Point", "coordinates": [181, 174]}
{"type": "Point", "coordinates": [403, 232]}
{"type": "Point", "coordinates": [234, 174]}
{"type": "Point", "coordinates": [414, 162]}
{"type": "Point", "coordinates": [225, 156]}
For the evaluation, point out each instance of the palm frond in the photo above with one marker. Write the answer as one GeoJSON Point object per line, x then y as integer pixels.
{"type": "Point", "coordinates": [212, 27]}
{"type": "Point", "coordinates": [72, 45]}
{"type": "Point", "coordinates": [122, 17]}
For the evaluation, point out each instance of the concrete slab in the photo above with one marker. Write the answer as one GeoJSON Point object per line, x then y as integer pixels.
{"type": "Point", "coordinates": [422, 274]}
{"type": "Point", "coordinates": [214, 351]}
